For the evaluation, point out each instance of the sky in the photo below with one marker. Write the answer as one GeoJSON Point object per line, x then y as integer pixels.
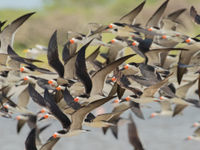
{"type": "Point", "coordinates": [20, 4]}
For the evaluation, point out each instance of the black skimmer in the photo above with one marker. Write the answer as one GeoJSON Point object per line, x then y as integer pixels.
{"type": "Point", "coordinates": [149, 92]}
{"type": "Point", "coordinates": [166, 109]}
{"type": "Point", "coordinates": [129, 18]}
{"type": "Point", "coordinates": [195, 16]}
{"type": "Point", "coordinates": [118, 107]}
{"type": "Point", "coordinates": [35, 96]}
{"type": "Point", "coordinates": [182, 102]}
{"type": "Point", "coordinates": [30, 140]}
{"type": "Point", "coordinates": [195, 136]}
{"type": "Point", "coordinates": [54, 61]}
{"type": "Point", "coordinates": [133, 135]}
{"type": "Point", "coordinates": [30, 67]}
{"type": "Point", "coordinates": [102, 120]}
{"type": "Point", "coordinates": [77, 118]}
{"type": "Point", "coordinates": [99, 77]}
{"type": "Point", "coordinates": [30, 119]}
{"type": "Point", "coordinates": [123, 26]}
{"type": "Point", "coordinates": [151, 55]}
{"type": "Point", "coordinates": [185, 58]}
{"type": "Point", "coordinates": [33, 142]}
{"type": "Point", "coordinates": [8, 33]}
{"type": "Point", "coordinates": [70, 96]}
{"type": "Point", "coordinates": [81, 70]}
{"type": "Point", "coordinates": [154, 20]}
{"type": "Point", "coordinates": [196, 124]}
{"type": "Point", "coordinates": [36, 51]}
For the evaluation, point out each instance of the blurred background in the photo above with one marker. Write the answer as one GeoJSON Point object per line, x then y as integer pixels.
{"type": "Point", "coordinates": [74, 15]}
{"type": "Point", "coordinates": [160, 133]}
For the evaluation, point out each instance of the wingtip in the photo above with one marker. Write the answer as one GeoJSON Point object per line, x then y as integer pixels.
{"type": "Point", "coordinates": [27, 15]}
{"type": "Point", "coordinates": [174, 114]}
{"type": "Point", "coordinates": [10, 51]}
{"type": "Point", "coordinates": [31, 13]}
{"type": "Point", "coordinates": [179, 78]}
{"type": "Point", "coordinates": [144, 2]}
{"type": "Point", "coordinates": [55, 34]}
{"type": "Point", "coordinates": [166, 2]}
{"type": "Point", "coordinates": [180, 73]}
{"type": "Point", "coordinates": [53, 41]}
{"type": "Point", "coordinates": [129, 56]}
{"type": "Point", "coordinates": [9, 48]}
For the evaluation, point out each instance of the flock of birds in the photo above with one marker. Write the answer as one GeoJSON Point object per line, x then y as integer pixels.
{"type": "Point", "coordinates": [79, 84]}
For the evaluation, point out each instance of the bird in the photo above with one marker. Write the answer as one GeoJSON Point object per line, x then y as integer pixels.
{"type": "Point", "coordinates": [35, 52]}
{"type": "Point", "coordinates": [30, 66]}
{"type": "Point", "coordinates": [30, 143]}
{"type": "Point", "coordinates": [61, 69]}
{"type": "Point", "coordinates": [101, 120]}
{"type": "Point", "coordinates": [195, 16]}
{"type": "Point", "coordinates": [78, 117]}
{"type": "Point", "coordinates": [121, 27]}
{"type": "Point", "coordinates": [196, 124]}
{"type": "Point", "coordinates": [7, 36]}
{"type": "Point", "coordinates": [30, 119]}
{"type": "Point", "coordinates": [185, 58]}
{"type": "Point", "coordinates": [148, 93]}
{"type": "Point", "coordinates": [99, 77]}
{"type": "Point", "coordinates": [166, 109]}
{"type": "Point", "coordinates": [133, 135]}
{"type": "Point", "coordinates": [195, 136]}
{"type": "Point", "coordinates": [182, 101]}
{"type": "Point", "coordinates": [70, 87]}
{"type": "Point", "coordinates": [119, 107]}
{"type": "Point", "coordinates": [155, 19]}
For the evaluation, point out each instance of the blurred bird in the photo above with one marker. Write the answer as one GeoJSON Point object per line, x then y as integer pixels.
{"type": "Point", "coordinates": [133, 135]}
{"type": "Point", "coordinates": [33, 53]}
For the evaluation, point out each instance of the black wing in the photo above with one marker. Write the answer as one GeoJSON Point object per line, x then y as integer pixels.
{"type": "Point", "coordinates": [30, 140]}
{"type": "Point", "coordinates": [133, 135]}
{"type": "Point", "coordinates": [156, 17]}
{"type": "Point", "coordinates": [17, 23]}
{"type": "Point", "coordinates": [69, 51]}
{"type": "Point", "coordinates": [55, 110]}
{"type": "Point", "coordinates": [194, 15]}
{"type": "Point", "coordinates": [2, 24]}
{"type": "Point", "coordinates": [41, 70]}
{"type": "Point", "coordinates": [52, 55]}
{"type": "Point", "coordinates": [81, 69]}
{"type": "Point", "coordinates": [20, 124]}
{"type": "Point", "coordinates": [70, 100]}
{"type": "Point", "coordinates": [66, 53]}
{"type": "Point", "coordinates": [36, 97]}
{"type": "Point", "coordinates": [135, 108]}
